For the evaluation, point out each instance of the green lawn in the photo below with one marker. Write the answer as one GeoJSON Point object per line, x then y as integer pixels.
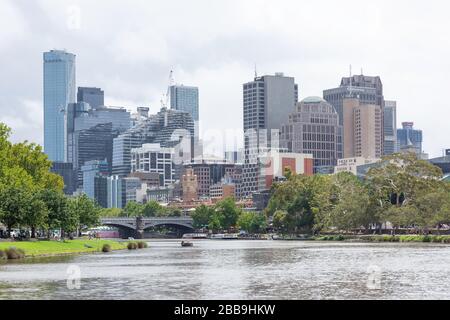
{"type": "Point", "coordinates": [45, 248]}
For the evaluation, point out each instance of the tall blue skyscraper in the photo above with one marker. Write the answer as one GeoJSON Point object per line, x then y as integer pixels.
{"type": "Point", "coordinates": [185, 99]}
{"type": "Point", "coordinates": [59, 91]}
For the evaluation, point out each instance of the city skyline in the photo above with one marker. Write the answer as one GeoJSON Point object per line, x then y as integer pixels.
{"type": "Point", "coordinates": [221, 59]}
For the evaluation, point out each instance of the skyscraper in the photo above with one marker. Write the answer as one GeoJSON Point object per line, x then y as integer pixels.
{"type": "Point", "coordinates": [268, 101]}
{"type": "Point", "coordinates": [369, 90]}
{"type": "Point", "coordinates": [362, 129]}
{"type": "Point", "coordinates": [170, 128]}
{"type": "Point", "coordinates": [59, 91]}
{"type": "Point", "coordinates": [409, 138]}
{"type": "Point", "coordinates": [185, 98]}
{"type": "Point", "coordinates": [90, 133]}
{"type": "Point", "coordinates": [94, 180]}
{"type": "Point", "coordinates": [94, 96]}
{"type": "Point", "coordinates": [314, 129]}
{"type": "Point", "coordinates": [390, 127]}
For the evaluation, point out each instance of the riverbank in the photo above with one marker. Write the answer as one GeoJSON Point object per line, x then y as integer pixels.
{"type": "Point", "coordinates": [386, 238]}
{"type": "Point", "coordinates": [55, 248]}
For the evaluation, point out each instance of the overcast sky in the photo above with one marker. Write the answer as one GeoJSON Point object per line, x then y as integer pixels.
{"type": "Point", "coordinates": [128, 48]}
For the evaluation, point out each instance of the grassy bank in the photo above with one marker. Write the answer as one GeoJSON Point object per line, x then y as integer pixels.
{"type": "Point", "coordinates": [49, 248]}
{"type": "Point", "coordinates": [387, 238]}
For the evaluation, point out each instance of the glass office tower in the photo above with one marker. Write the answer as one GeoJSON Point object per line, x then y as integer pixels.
{"type": "Point", "coordinates": [59, 91]}
{"type": "Point", "coordinates": [185, 99]}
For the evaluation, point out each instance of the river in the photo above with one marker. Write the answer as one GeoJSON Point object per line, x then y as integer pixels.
{"type": "Point", "coordinates": [238, 270]}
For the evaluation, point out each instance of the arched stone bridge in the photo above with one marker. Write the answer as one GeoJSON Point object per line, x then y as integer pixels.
{"type": "Point", "coordinates": [139, 224]}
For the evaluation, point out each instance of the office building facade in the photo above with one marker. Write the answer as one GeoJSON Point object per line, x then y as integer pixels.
{"type": "Point", "coordinates": [59, 91]}
{"type": "Point", "coordinates": [95, 175]}
{"type": "Point", "coordinates": [390, 127]}
{"type": "Point", "coordinates": [410, 139]}
{"type": "Point", "coordinates": [169, 128]}
{"type": "Point", "coordinates": [314, 129]}
{"type": "Point", "coordinates": [368, 89]}
{"type": "Point", "coordinates": [185, 98]}
{"type": "Point", "coordinates": [95, 97]}
{"type": "Point", "coordinates": [362, 129]}
{"type": "Point", "coordinates": [153, 158]}
{"type": "Point", "coordinates": [268, 101]}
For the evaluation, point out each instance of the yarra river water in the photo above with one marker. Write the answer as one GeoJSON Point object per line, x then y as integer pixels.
{"type": "Point", "coordinates": [239, 270]}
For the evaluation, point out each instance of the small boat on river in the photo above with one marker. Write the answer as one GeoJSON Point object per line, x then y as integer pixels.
{"type": "Point", "coordinates": [185, 243]}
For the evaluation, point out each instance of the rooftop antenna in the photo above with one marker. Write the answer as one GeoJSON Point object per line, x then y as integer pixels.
{"type": "Point", "coordinates": [350, 89]}
{"type": "Point", "coordinates": [256, 73]}
{"type": "Point", "coordinates": [362, 71]}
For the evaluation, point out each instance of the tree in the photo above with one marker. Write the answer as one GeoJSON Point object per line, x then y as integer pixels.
{"type": "Point", "coordinates": [36, 214]}
{"type": "Point", "coordinates": [279, 219]}
{"type": "Point", "coordinates": [86, 209]}
{"type": "Point", "coordinates": [59, 215]}
{"type": "Point", "coordinates": [13, 207]}
{"type": "Point", "coordinates": [110, 212]}
{"type": "Point", "coordinates": [227, 213]}
{"type": "Point", "coordinates": [201, 216]}
{"type": "Point", "coordinates": [350, 203]}
{"type": "Point", "coordinates": [303, 199]}
{"type": "Point", "coordinates": [133, 209]}
{"type": "Point", "coordinates": [153, 209]}
{"type": "Point", "coordinates": [252, 222]}
{"type": "Point", "coordinates": [398, 186]}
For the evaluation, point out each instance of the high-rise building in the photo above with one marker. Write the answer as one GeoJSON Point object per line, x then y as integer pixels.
{"type": "Point", "coordinates": [169, 128]}
{"type": "Point", "coordinates": [90, 132]}
{"type": "Point", "coordinates": [65, 170]}
{"type": "Point", "coordinates": [410, 139]}
{"type": "Point", "coordinates": [59, 91]}
{"type": "Point", "coordinates": [268, 101]}
{"type": "Point", "coordinates": [94, 180]}
{"type": "Point", "coordinates": [362, 129]}
{"type": "Point", "coordinates": [151, 157]}
{"type": "Point", "coordinates": [314, 129]}
{"type": "Point", "coordinates": [92, 144]}
{"type": "Point", "coordinates": [390, 127]}
{"type": "Point", "coordinates": [368, 89]}
{"type": "Point", "coordinates": [121, 190]}
{"type": "Point", "coordinates": [234, 156]}
{"type": "Point", "coordinates": [94, 96]}
{"type": "Point", "coordinates": [185, 98]}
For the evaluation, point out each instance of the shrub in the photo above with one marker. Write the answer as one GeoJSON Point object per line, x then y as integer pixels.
{"type": "Point", "coordinates": [13, 253]}
{"type": "Point", "coordinates": [3, 255]}
{"type": "Point", "coordinates": [132, 246]}
{"type": "Point", "coordinates": [340, 238]}
{"type": "Point", "coordinates": [106, 248]}
{"type": "Point", "coordinates": [142, 245]}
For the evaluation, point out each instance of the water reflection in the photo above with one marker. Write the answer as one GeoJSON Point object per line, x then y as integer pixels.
{"type": "Point", "coordinates": [239, 270]}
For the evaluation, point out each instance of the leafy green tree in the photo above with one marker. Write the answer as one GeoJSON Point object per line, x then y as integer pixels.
{"type": "Point", "coordinates": [350, 203]}
{"type": "Point", "coordinates": [279, 219]}
{"type": "Point", "coordinates": [215, 222]}
{"type": "Point", "coordinates": [227, 213]}
{"type": "Point", "coordinates": [174, 212]}
{"type": "Point", "coordinates": [201, 216]}
{"type": "Point", "coordinates": [59, 215]}
{"type": "Point", "coordinates": [252, 222]}
{"type": "Point", "coordinates": [13, 207]}
{"type": "Point", "coordinates": [133, 209]}
{"type": "Point", "coordinates": [86, 209]}
{"type": "Point", "coordinates": [398, 186]}
{"type": "Point", "coordinates": [110, 212]}
{"type": "Point", "coordinates": [36, 214]}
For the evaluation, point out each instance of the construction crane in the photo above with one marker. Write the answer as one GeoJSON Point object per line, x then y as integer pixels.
{"type": "Point", "coordinates": [165, 98]}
